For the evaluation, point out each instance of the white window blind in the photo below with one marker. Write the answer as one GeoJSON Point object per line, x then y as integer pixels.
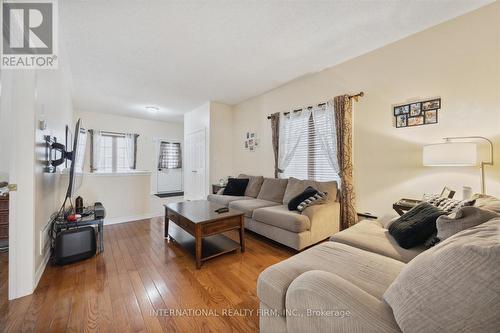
{"type": "Point", "coordinates": [310, 160]}
{"type": "Point", "coordinates": [113, 154]}
{"type": "Point", "coordinates": [170, 155]}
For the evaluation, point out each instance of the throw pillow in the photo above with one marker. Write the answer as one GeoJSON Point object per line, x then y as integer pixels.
{"type": "Point", "coordinates": [236, 187]}
{"type": "Point", "coordinates": [433, 199]}
{"type": "Point", "coordinates": [452, 287]}
{"type": "Point", "coordinates": [447, 204]}
{"type": "Point", "coordinates": [254, 185]}
{"type": "Point", "coordinates": [452, 205]}
{"type": "Point", "coordinates": [415, 226]}
{"type": "Point", "coordinates": [487, 202]}
{"type": "Point", "coordinates": [297, 200]}
{"type": "Point", "coordinates": [464, 218]}
{"type": "Point", "coordinates": [316, 199]}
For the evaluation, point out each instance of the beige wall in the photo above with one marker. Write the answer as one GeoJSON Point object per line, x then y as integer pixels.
{"type": "Point", "coordinates": [127, 197]}
{"type": "Point", "coordinates": [457, 60]}
{"type": "Point", "coordinates": [221, 141]}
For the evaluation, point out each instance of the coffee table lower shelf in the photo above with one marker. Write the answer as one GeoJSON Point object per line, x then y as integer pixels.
{"type": "Point", "coordinates": [212, 246]}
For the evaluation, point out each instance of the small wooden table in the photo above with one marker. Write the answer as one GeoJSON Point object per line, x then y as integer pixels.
{"type": "Point", "coordinates": [404, 205]}
{"type": "Point", "coordinates": [198, 228]}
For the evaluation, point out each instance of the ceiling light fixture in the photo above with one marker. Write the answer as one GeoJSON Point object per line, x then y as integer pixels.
{"type": "Point", "coordinates": [152, 109]}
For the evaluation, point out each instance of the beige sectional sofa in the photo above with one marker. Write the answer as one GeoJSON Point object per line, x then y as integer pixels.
{"type": "Point", "coordinates": [266, 211]}
{"type": "Point", "coordinates": [343, 285]}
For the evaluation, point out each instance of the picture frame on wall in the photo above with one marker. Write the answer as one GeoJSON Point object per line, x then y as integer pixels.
{"type": "Point", "coordinates": [417, 113]}
{"type": "Point", "coordinates": [415, 109]}
{"type": "Point", "coordinates": [402, 109]}
{"type": "Point", "coordinates": [416, 121]}
{"type": "Point", "coordinates": [431, 117]}
{"type": "Point", "coordinates": [432, 104]}
{"type": "Point", "coordinates": [401, 121]}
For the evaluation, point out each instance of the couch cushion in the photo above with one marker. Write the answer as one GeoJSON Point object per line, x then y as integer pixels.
{"type": "Point", "coordinates": [452, 287]}
{"type": "Point", "coordinates": [369, 235]}
{"type": "Point", "coordinates": [281, 217]}
{"type": "Point", "coordinates": [273, 189]}
{"type": "Point", "coordinates": [254, 185]}
{"type": "Point", "coordinates": [296, 186]}
{"type": "Point", "coordinates": [225, 199]}
{"type": "Point", "coordinates": [371, 272]}
{"type": "Point", "coordinates": [485, 201]}
{"type": "Point", "coordinates": [248, 206]}
{"type": "Point", "coordinates": [464, 218]}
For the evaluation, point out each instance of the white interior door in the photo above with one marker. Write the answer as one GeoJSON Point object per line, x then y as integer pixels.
{"type": "Point", "coordinates": [195, 168]}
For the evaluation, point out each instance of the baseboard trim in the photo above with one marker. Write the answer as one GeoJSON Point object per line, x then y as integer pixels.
{"type": "Point", "coordinates": [41, 269]}
{"type": "Point", "coordinates": [131, 218]}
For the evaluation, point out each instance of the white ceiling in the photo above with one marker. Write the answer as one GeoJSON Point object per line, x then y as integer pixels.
{"type": "Point", "coordinates": [176, 55]}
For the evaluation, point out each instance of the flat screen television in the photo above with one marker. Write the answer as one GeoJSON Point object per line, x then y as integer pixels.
{"type": "Point", "coordinates": [77, 157]}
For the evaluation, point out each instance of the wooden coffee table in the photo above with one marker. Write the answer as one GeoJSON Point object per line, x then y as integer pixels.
{"type": "Point", "coordinates": [198, 228]}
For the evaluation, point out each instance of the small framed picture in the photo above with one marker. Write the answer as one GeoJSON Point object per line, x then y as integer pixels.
{"type": "Point", "coordinates": [246, 144]}
{"type": "Point", "coordinates": [414, 109]}
{"type": "Point", "coordinates": [248, 135]}
{"type": "Point", "coordinates": [402, 109]}
{"type": "Point", "coordinates": [415, 121]}
{"type": "Point", "coordinates": [431, 117]}
{"type": "Point", "coordinates": [431, 105]}
{"type": "Point", "coordinates": [447, 193]}
{"type": "Point", "coordinates": [401, 121]}
{"type": "Point", "coordinates": [252, 135]}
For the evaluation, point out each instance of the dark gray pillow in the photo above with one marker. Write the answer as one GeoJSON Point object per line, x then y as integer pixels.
{"type": "Point", "coordinates": [416, 226]}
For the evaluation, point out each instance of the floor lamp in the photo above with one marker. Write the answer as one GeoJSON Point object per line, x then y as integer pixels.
{"type": "Point", "coordinates": [455, 152]}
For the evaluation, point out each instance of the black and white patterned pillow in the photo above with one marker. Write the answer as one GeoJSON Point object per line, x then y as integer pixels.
{"type": "Point", "coordinates": [433, 199]}
{"type": "Point", "coordinates": [316, 199]}
{"type": "Point", "coordinates": [452, 205]}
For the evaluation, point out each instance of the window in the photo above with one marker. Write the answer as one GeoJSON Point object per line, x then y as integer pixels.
{"type": "Point", "coordinates": [170, 155]}
{"type": "Point", "coordinates": [310, 161]}
{"type": "Point", "coordinates": [113, 152]}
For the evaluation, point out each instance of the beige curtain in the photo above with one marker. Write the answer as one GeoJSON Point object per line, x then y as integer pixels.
{"type": "Point", "coordinates": [275, 128]}
{"type": "Point", "coordinates": [343, 122]}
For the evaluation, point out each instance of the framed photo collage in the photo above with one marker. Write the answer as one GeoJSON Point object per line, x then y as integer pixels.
{"type": "Point", "coordinates": [417, 113]}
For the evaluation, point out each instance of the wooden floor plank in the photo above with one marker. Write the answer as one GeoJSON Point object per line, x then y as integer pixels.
{"type": "Point", "coordinates": [140, 276]}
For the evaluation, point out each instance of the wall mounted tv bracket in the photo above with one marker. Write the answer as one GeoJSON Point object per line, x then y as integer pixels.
{"type": "Point", "coordinates": [52, 148]}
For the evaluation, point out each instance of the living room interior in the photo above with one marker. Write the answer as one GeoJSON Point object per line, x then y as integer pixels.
{"type": "Point", "coordinates": [275, 166]}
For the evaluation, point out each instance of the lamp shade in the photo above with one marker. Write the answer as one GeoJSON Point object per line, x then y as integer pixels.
{"type": "Point", "coordinates": [450, 154]}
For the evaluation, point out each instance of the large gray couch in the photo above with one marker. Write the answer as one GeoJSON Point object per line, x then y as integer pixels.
{"type": "Point", "coordinates": [266, 212]}
{"type": "Point", "coordinates": [344, 285]}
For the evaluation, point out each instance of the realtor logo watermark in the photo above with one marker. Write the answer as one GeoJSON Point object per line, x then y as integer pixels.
{"type": "Point", "coordinates": [29, 31]}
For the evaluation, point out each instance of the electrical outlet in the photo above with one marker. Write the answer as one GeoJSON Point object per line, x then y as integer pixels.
{"type": "Point", "coordinates": [44, 239]}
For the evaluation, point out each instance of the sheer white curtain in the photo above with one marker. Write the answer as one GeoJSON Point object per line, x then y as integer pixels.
{"type": "Point", "coordinates": [130, 150]}
{"type": "Point", "coordinates": [293, 129]}
{"type": "Point", "coordinates": [326, 132]}
{"type": "Point", "coordinates": [96, 150]}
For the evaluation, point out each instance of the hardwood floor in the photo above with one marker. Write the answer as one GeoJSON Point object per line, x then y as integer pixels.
{"type": "Point", "coordinates": [140, 272]}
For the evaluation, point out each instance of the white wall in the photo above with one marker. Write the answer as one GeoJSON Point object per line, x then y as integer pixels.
{"type": "Point", "coordinates": [217, 120]}
{"type": "Point", "coordinates": [221, 142]}
{"type": "Point", "coordinates": [29, 96]}
{"type": "Point", "coordinates": [127, 197]}
{"type": "Point", "coordinates": [458, 61]}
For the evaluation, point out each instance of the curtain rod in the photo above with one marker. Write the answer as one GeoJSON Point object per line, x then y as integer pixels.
{"type": "Point", "coordinates": [355, 96]}
{"type": "Point", "coordinates": [114, 133]}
